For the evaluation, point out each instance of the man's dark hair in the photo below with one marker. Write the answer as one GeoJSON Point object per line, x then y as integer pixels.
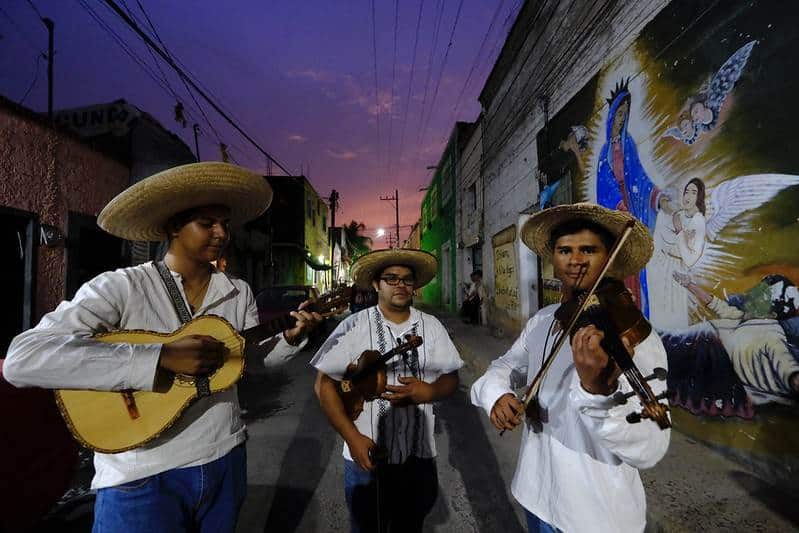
{"type": "Point", "coordinates": [477, 273]}
{"type": "Point", "coordinates": [576, 226]}
{"type": "Point", "coordinates": [379, 273]}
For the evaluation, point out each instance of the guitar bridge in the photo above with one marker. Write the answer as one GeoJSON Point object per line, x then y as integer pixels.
{"type": "Point", "coordinates": [130, 404]}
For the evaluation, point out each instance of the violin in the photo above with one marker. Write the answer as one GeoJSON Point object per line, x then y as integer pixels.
{"type": "Point", "coordinates": [609, 306]}
{"type": "Point", "coordinates": [365, 379]}
{"type": "Point", "coordinates": [612, 310]}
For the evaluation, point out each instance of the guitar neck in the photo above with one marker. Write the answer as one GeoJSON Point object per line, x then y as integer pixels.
{"type": "Point", "coordinates": [379, 361]}
{"type": "Point", "coordinates": [268, 329]}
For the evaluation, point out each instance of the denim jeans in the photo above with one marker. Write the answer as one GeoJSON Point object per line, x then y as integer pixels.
{"type": "Point", "coordinates": [203, 498]}
{"type": "Point", "coordinates": [401, 496]}
{"type": "Point", "coordinates": [536, 525]}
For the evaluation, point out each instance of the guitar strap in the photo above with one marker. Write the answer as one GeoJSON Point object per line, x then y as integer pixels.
{"type": "Point", "coordinates": [200, 382]}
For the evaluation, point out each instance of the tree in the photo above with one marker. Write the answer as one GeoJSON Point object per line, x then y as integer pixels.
{"type": "Point", "coordinates": [357, 243]}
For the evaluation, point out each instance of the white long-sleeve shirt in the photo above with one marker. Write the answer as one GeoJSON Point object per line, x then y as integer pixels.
{"type": "Point", "coordinates": [579, 472]}
{"type": "Point", "coordinates": [59, 353]}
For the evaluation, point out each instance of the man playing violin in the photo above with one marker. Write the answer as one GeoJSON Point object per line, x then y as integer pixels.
{"type": "Point", "coordinates": [579, 457]}
{"type": "Point", "coordinates": [390, 477]}
{"type": "Point", "coordinates": [192, 477]}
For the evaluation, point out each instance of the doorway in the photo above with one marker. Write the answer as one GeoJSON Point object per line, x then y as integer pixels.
{"type": "Point", "coordinates": [17, 231]}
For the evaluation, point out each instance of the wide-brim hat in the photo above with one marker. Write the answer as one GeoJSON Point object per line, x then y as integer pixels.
{"type": "Point", "coordinates": [140, 212]}
{"type": "Point", "coordinates": [366, 267]}
{"type": "Point", "coordinates": [633, 256]}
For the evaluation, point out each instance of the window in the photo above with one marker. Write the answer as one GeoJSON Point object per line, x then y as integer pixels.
{"type": "Point", "coordinates": [471, 198]}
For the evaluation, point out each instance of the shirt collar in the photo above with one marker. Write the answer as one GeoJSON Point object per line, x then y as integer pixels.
{"type": "Point", "coordinates": [414, 319]}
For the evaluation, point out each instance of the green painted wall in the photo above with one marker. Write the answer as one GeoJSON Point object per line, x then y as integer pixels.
{"type": "Point", "coordinates": [438, 229]}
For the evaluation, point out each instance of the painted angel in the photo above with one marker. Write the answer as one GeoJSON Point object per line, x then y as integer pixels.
{"type": "Point", "coordinates": [701, 112]}
{"type": "Point", "coordinates": [687, 240]}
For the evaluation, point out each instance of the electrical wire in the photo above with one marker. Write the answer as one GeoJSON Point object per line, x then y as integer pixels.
{"type": "Point", "coordinates": [443, 66]}
{"type": "Point", "coordinates": [29, 41]}
{"type": "Point", "coordinates": [410, 83]}
{"type": "Point", "coordinates": [476, 61]}
{"type": "Point", "coordinates": [35, 79]}
{"type": "Point", "coordinates": [439, 16]}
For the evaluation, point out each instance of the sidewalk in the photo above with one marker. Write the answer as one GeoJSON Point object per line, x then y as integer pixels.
{"type": "Point", "coordinates": [692, 489]}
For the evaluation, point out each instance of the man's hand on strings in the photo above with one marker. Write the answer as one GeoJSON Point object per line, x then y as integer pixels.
{"type": "Point", "coordinates": [598, 373]}
{"type": "Point", "coordinates": [507, 412]}
{"type": "Point", "coordinates": [193, 355]}
{"type": "Point", "coordinates": [306, 323]}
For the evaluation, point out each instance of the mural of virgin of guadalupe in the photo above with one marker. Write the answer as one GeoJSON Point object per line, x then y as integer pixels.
{"type": "Point", "coordinates": [622, 182]}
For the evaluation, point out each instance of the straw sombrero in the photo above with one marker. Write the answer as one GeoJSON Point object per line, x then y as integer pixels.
{"type": "Point", "coordinates": [140, 212]}
{"type": "Point", "coordinates": [633, 256]}
{"type": "Point", "coordinates": [366, 267]}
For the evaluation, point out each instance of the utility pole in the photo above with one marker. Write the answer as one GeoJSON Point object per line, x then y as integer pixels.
{"type": "Point", "coordinates": [394, 199]}
{"type": "Point", "coordinates": [331, 232]}
{"type": "Point", "coordinates": [196, 129]}
{"type": "Point", "coordinates": [50, 31]}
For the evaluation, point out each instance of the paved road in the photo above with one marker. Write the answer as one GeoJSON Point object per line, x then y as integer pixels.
{"type": "Point", "coordinates": [295, 468]}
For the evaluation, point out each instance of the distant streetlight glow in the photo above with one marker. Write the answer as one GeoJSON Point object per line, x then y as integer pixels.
{"type": "Point", "coordinates": [381, 232]}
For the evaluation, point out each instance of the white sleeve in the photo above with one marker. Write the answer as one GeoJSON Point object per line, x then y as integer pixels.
{"type": "Point", "coordinates": [340, 348]}
{"type": "Point", "coordinates": [445, 351]}
{"type": "Point", "coordinates": [59, 352]}
{"type": "Point", "coordinates": [497, 379]}
{"type": "Point", "coordinates": [639, 445]}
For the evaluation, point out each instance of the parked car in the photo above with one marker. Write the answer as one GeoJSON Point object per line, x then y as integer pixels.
{"type": "Point", "coordinates": [275, 301]}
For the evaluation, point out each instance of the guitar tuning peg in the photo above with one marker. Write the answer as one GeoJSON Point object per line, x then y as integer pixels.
{"type": "Point", "coordinates": [658, 373]}
{"type": "Point", "coordinates": [634, 418]}
{"type": "Point", "coordinates": [663, 395]}
{"type": "Point", "coordinates": [621, 398]}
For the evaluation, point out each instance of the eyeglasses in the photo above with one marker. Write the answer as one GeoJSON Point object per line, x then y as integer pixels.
{"type": "Point", "coordinates": [395, 280]}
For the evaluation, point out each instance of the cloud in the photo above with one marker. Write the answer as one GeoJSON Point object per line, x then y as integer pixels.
{"type": "Point", "coordinates": [346, 154]}
{"type": "Point", "coordinates": [312, 74]}
{"type": "Point", "coordinates": [297, 138]}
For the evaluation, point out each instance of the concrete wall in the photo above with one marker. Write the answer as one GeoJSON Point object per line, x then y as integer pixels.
{"type": "Point", "coordinates": [553, 49]}
{"type": "Point", "coordinates": [735, 385]}
{"type": "Point", "coordinates": [49, 173]}
{"type": "Point", "coordinates": [469, 215]}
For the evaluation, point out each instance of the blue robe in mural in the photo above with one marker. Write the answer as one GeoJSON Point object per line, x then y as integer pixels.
{"type": "Point", "coordinates": [641, 193]}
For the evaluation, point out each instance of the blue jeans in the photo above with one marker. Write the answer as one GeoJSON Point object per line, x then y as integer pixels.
{"type": "Point", "coordinates": [536, 525]}
{"type": "Point", "coordinates": [400, 495]}
{"type": "Point", "coordinates": [203, 498]}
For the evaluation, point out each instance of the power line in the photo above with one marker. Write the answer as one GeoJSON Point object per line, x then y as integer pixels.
{"type": "Point", "coordinates": [494, 18]}
{"type": "Point", "coordinates": [29, 41]}
{"type": "Point", "coordinates": [439, 16]}
{"type": "Point", "coordinates": [183, 75]}
{"type": "Point", "coordinates": [35, 79]}
{"type": "Point", "coordinates": [393, 81]}
{"type": "Point", "coordinates": [443, 66]}
{"type": "Point", "coordinates": [38, 13]}
{"type": "Point", "coordinates": [171, 56]}
{"type": "Point", "coordinates": [410, 83]}
{"type": "Point", "coordinates": [377, 94]}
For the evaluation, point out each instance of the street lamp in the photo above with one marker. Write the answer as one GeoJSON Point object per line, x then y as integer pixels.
{"type": "Point", "coordinates": [381, 232]}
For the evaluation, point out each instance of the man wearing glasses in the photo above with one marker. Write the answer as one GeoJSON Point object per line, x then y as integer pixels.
{"type": "Point", "coordinates": [390, 477]}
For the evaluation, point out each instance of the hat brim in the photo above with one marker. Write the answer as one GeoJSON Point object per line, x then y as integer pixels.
{"type": "Point", "coordinates": [140, 212]}
{"type": "Point", "coordinates": [633, 256]}
{"type": "Point", "coordinates": [366, 267]}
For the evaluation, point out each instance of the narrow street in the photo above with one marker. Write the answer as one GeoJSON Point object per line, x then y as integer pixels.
{"type": "Point", "coordinates": [295, 468]}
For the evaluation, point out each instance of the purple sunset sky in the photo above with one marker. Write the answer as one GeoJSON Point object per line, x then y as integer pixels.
{"type": "Point", "coordinates": [298, 76]}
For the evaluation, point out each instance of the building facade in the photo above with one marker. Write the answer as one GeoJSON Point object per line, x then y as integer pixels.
{"type": "Point", "coordinates": [52, 189]}
{"type": "Point", "coordinates": [295, 234]}
{"type": "Point", "coordinates": [675, 112]}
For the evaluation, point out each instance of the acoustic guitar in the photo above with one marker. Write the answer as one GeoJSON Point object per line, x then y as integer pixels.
{"type": "Point", "coordinates": [114, 422]}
